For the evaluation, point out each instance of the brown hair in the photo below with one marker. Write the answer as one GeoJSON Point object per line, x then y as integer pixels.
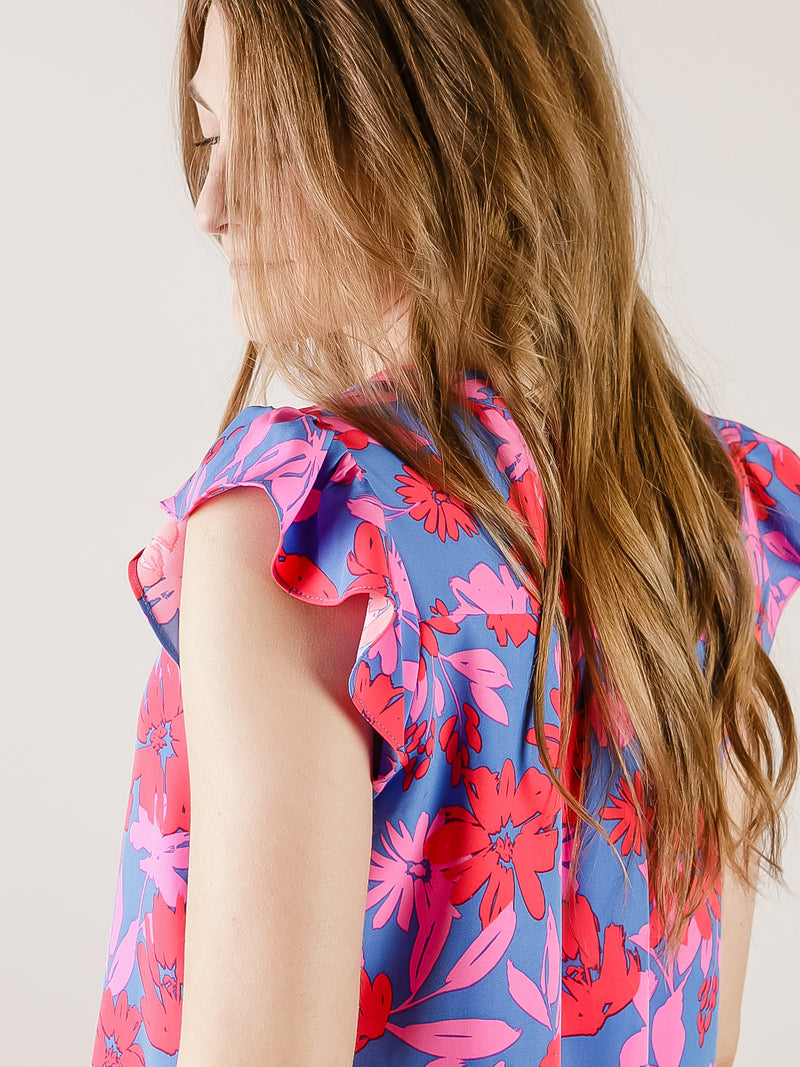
{"type": "Point", "coordinates": [476, 156]}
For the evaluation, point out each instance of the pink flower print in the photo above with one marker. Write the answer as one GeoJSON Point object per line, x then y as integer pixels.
{"type": "Point", "coordinates": [408, 883]}
{"type": "Point", "coordinates": [159, 569]}
{"type": "Point", "coordinates": [116, 1032]}
{"type": "Point", "coordinates": [167, 857]}
{"type": "Point", "coordinates": [497, 596]}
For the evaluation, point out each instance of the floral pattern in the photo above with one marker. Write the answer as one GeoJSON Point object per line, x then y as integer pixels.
{"type": "Point", "coordinates": [475, 950]}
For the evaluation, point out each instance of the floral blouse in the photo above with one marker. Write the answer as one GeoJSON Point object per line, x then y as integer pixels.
{"type": "Point", "coordinates": [474, 952]}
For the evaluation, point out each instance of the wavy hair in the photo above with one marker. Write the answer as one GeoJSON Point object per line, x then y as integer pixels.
{"type": "Point", "coordinates": [475, 157]}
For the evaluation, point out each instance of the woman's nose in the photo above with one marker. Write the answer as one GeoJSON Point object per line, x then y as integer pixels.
{"type": "Point", "coordinates": [210, 210]}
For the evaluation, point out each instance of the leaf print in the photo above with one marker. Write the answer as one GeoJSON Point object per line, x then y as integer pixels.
{"type": "Point", "coordinates": [480, 665]}
{"type": "Point", "coordinates": [369, 508]}
{"type": "Point", "coordinates": [551, 964]}
{"type": "Point", "coordinates": [484, 953]}
{"type": "Point", "coordinates": [527, 994]}
{"type": "Point", "coordinates": [668, 1032]}
{"type": "Point", "coordinates": [489, 703]}
{"type": "Point", "coordinates": [778, 544]}
{"type": "Point", "coordinates": [122, 963]}
{"type": "Point", "coordinates": [707, 996]}
{"type": "Point", "coordinates": [468, 1039]}
{"type": "Point", "coordinates": [435, 912]}
{"type": "Point", "coordinates": [500, 598]}
{"type": "Point", "coordinates": [381, 700]}
{"type": "Point", "coordinates": [635, 1050]}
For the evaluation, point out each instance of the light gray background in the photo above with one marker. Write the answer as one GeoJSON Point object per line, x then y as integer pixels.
{"type": "Point", "coordinates": [118, 353]}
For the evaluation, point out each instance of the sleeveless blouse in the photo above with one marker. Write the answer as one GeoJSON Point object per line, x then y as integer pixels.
{"type": "Point", "coordinates": [475, 951]}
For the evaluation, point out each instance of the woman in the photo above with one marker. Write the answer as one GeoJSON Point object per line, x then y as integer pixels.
{"type": "Point", "coordinates": [482, 788]}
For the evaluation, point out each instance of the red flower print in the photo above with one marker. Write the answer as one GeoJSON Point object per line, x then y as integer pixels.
{"type": "Point", "coordinates": [368, 557]}
{"type": "Point", "coordinates": [375, 1003]}
{"type": "Point", "coordinates": [507, 837]}
{"type": "Point", "coordinates": [709, 911]}
{"type": "Point", "coordinates": [553, 1055]}
{"type": "Point", "coordinates": [526, 497]}
{"type": "Point", "coordinates": [161, 967]}
{"type": "Point", "coordinates": [116, 1029]}
{"type": "Point", "coordinates": [581, 928]}
{"type": "Point", "coordinates": [382, 701]}
{"type": "Point", "coordinates": [787, 466]}
{"type": "Point", "coordinates": [749, 473]}
{"type": "Point", "coordinates": [629, 825]}
{"type": "Point", "coordinates": [442, 515]}
{"type": "Point", "coordinates": [591, 996]}
{"type": "Point", "coordinates": [160, 762]}
{"type": "Point", "coordinates": [302, 575]}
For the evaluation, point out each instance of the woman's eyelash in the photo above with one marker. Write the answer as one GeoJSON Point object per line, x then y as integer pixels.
{"type": "Point", "coordinates": [206, 142]}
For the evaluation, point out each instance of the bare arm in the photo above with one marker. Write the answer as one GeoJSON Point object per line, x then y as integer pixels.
{"type": "Point", "coordinates": [737, 919]}
{"type": "Point", "coordinates": [281, 820]}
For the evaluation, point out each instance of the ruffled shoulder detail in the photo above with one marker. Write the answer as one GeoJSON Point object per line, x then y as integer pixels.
{"type": "Point", "coordinates": [769, 478]}
{"type": "Point", "coordinates": [333, 544]}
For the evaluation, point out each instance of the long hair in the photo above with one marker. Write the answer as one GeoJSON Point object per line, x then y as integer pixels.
{"type": "Point", "coordinates": [475, 155]}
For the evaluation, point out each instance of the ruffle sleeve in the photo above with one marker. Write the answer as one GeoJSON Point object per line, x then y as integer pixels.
{"type": "Point", "coordinates": [769, 478]}
{"type": "Point", "coordinates": [333, 544]}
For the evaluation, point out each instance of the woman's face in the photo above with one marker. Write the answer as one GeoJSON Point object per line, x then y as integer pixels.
{"type": "Point", "coordinates": [209, 89]}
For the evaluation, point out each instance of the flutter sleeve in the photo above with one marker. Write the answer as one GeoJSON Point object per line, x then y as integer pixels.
{"type": "Point", "coordinates": [769, 478]}
{"type": "Point", "coordinates": [333, 545]}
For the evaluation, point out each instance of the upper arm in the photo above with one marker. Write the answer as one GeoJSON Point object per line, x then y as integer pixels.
{"type": "Point", "coordinates": [281, 802]}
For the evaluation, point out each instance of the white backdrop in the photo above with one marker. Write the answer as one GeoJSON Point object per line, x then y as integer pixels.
{"type": "Point", "coordinates": [118, 355]}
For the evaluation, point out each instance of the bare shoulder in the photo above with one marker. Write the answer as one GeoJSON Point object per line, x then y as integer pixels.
{"type": "Point", "coordinates": [279, 762]}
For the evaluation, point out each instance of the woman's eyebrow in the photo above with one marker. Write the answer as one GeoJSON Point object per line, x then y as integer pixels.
{"type": "Point", "coordinates": [190, 88]}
